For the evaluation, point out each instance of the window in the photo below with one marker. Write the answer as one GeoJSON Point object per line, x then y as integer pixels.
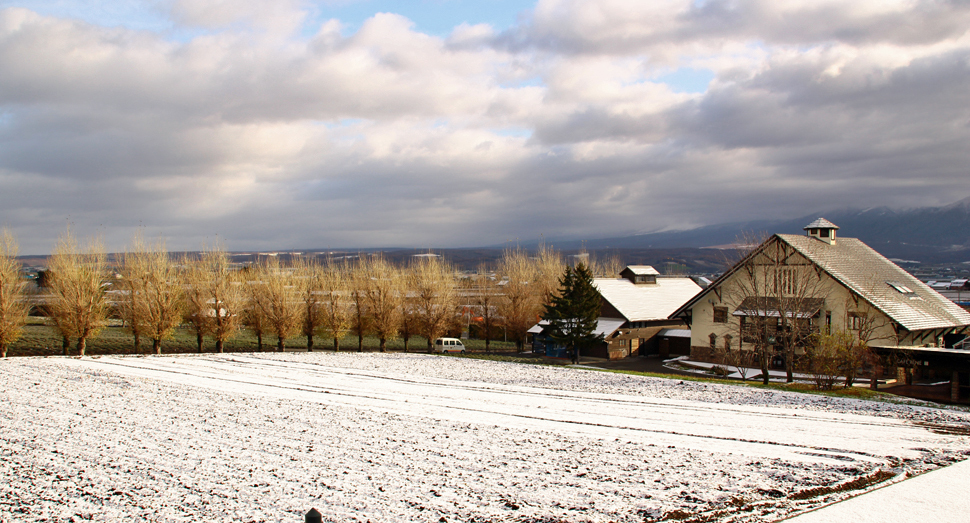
{"type": "Point", "coordinates": [823, 233]}
{"type": "Point", "coordinates": [904, 290]}
{"type": "Point", "coordinates": [720, 314]}
{"type": "Point", "coordinates": [785, 280]}
{"type": "Point", "coordinates": [855, 321]}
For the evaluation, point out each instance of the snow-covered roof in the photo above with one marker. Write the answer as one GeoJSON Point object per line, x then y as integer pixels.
{"type": "Point", "coordinates": [604, 326]}
{"type": "Point", "coordinates": [607, 326]}
{"type": "Point", "coordinates": [895, 292]}
{"type": "Point", "coordinates": [674, 333]}
{"type": "Point", "coordinates": [646, 302]}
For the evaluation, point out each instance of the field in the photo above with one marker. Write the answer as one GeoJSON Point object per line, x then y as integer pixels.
{"type": "Point", "coordinates": [417, 437]}
{"type": "Point", "coordinates": [42, 339]}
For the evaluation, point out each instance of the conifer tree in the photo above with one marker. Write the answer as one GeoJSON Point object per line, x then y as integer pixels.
{"type": "Point", "coordinates": [573, 314]}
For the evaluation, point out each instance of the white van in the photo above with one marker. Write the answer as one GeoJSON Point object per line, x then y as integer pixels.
{"type": "Point", "coordinates": [449, 345]}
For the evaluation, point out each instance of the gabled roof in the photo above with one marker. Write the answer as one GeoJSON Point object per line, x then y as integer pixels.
{"type": "Point", "coordinates": [888, 288]}
{"type": "Point", "coordinates": [882, 283]}
{"type": "Point", "coordinates": [646, 302]}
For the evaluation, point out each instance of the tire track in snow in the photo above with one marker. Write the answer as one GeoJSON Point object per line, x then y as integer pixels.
{"type": "Point", "coordinates": [690, 424]}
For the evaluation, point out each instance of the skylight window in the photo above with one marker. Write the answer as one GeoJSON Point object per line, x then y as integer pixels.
{"type": "Point", "coordinates": [902, 289]}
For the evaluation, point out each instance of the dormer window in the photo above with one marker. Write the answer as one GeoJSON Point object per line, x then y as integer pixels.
{"type": "Point", "coordinates": [640, 274]}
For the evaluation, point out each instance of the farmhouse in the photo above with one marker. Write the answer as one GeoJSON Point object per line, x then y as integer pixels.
{"type": "Point", "coordinates": [818, 282]}
{"type": "Point", "coordinates": [635, 309]}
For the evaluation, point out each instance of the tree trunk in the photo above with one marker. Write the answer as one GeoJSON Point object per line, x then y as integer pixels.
{"type": "Point", "coordinates": [790, 364]}
{"type": "Point", "coordinates": [280, 344]}
{"type": "Point", "coordinates": [406, 338]}
{"type": "Point", "coordinates": [336, 344]}
{"type": "Point", "coordinates": [430, 347]}
{"type": "Point", "coordinates": [383, 344]}
{"type": "Point", "coordinates": [66, 345]}
{"type": "Point", "coordinates": [488, 350]}
{"type": "Point", "coordinates": [360, 343]}
{"type": "Point", "coordinates": [309, 342]}
{"type": "Point", "coordinates": [764, 365]}
{"type": "Point", "coordinates": [82, 345]}
{"type": "Point", "coordinates": [137, 342]}
{"type": "Point", "coordinates": [3, 350]}
{"type": "Point", "coordinates": [199, 340]}
{"type": "Point", "coordinates": [259, 341]}
{"type": "Point", "coordinates": [157, 346]}
{"type": "Point", "coordinates": [219, 346]}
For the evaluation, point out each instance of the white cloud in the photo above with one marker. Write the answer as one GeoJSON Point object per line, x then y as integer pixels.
{"type": "Point", "coordinates": [388, 136]}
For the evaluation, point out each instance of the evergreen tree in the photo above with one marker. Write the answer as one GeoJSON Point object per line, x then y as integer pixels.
{"type": "Point", "coordinates": [573, 314]}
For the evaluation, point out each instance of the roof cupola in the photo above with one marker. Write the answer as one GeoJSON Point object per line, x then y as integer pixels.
{"type": "Point", "coordinates": [823, 230]}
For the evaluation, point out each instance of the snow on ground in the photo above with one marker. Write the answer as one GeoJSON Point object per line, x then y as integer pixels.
{"type": "Point", "coordinates": [409, 437]}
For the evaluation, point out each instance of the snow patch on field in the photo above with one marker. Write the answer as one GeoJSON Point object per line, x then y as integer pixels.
{"type": "Point", "coordinates": [404, 437]}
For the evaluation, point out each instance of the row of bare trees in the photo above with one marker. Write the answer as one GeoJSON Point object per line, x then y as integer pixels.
{"type": "Point", "coordinates": [153, 294]}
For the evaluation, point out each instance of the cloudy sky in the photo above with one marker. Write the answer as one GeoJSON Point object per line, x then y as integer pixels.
{"type": "Point", "coordinates": [275, 124]}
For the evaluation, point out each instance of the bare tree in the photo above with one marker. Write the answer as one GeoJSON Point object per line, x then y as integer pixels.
{"type": "Point", "coordinates": [487, 300]}
{"type": "Point", "coordinates": [196, 308]}
{"type": "Point", "coordinates": [13, 303]}
{"type": "Point", "coordinates": [224, 295]}
{"type": "Point", "coordinates": [254, 304]}
{"type": "Point", "coordinates": [730, 356]}
{"type": "Point", "coordinates": [828, 354]}
{"type": "Point", "coordinates": [866, 322]}
{"type": "Point", "coordinates": [521, 303]}
{"type": "Point", "coordinates": [130, 305]}
{"type": "Point", "coordinates": [281, 308]}
{"type": "Point", "coordinates": [360, 318]}
{"type": "Point", "coordinates": [549, 268]}
{"type": "Point", "coordinates": [309, 281]}
{"type": "Point", "coordinates": [153, 302]}
{"type": "Point", "coordinates": [436, 296]}
{"type": "Point", "coordinates": [334, 302]}
{"type": "Point", "coordinates": [409, 306]}
{"type": "Point", "coordinates": [77, 284]}
{"type": "Point", "coordinates": [383, 298]}
{"type": "Point", "coordinates": [777, 294]}
{"type": "Point", "coordinates": [608, 267]}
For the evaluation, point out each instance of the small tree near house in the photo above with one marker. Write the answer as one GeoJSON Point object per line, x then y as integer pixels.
{"type": "Point", "coordinates": [573, 313]}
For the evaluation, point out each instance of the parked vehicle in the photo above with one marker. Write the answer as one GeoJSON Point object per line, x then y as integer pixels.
{"type": "Point", "coordinates": [449, 345]}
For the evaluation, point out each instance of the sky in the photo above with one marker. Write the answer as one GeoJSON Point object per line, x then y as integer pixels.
{"type": "Point", "coordinates": [301, 124]}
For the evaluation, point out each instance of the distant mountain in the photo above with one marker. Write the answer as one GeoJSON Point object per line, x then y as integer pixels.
{"type": "Point", "coordinates": [928, 235]}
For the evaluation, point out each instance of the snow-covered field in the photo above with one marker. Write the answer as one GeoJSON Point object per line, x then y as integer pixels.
{"type": "Point", "coordinates": [405, 437]}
